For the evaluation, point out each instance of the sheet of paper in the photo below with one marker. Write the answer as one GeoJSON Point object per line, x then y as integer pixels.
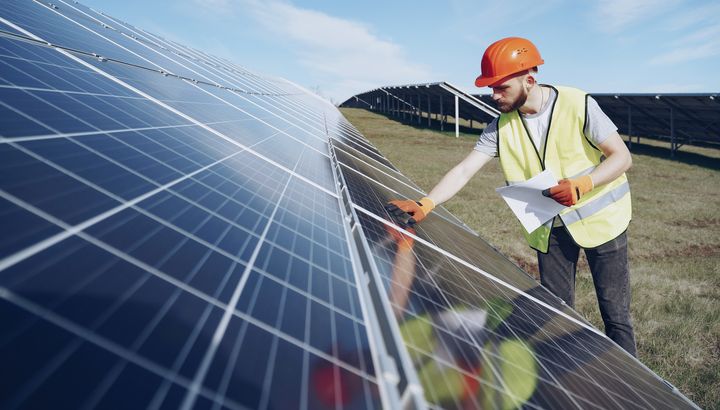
{"type": "Point", "coordinates": [528, 203]}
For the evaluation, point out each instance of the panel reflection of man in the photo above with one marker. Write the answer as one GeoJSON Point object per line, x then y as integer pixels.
{"type": "Point", "coordinates": [461, 359]}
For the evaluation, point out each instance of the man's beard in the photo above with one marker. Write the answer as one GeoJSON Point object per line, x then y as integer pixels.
{"type": "Point", "coordinates": [519, 101]}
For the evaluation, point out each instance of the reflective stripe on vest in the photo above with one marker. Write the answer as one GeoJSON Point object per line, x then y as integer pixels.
{"type": "Point", "coordinates": [586, 211]}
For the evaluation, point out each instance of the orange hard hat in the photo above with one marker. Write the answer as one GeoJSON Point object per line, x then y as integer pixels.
{"type": "Point", "coordinates": [506, 57]}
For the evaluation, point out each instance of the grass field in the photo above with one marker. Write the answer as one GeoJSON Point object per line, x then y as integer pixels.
{"type": "Point", "coordinates": [674, 242]}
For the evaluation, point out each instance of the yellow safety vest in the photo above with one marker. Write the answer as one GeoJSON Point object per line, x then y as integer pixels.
{"type": "Point", "coordinates": [603, 213]}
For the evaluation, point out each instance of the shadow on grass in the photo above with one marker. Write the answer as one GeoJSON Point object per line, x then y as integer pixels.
{"type": "Point", "coordinates": [423, 125]}
{"type": "Point", "coordinates": [690, 158]}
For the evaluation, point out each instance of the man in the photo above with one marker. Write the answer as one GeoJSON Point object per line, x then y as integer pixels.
{"type": "Point", "coordinates": [564, 130]}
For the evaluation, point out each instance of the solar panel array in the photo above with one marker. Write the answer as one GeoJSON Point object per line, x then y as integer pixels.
{"type": "Point", "coordinates": [419, 103]}
{"type": "Point", "coordinates": [181, 232]}
{"type": "Point", "coordinates": [678, 118]}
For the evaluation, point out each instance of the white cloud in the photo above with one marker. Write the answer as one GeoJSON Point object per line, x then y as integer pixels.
{"type": "Point", "coordinates": [617, 15]}
{"type": "Point", "coordinates": [691, 17]}
{"type": "Point", "coordinates": [215, 6]}
{"type": "Point", "coordinates": [690, 52]}
{"type": "Point", "coordinates": [346, 54]}
{"type": "Point", "coordinates": [487, 21]}
{"type": "Point", "coordinates": [694, 29]}
{"type": "Point", "coordinates": [700, 38]}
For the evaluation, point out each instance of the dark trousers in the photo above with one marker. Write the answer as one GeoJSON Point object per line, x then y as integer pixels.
{"type": "Point", "coordinates": [611, 277]}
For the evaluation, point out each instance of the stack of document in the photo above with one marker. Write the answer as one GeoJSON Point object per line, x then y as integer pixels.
{"type": "Point", "coordinates": [528, 203]}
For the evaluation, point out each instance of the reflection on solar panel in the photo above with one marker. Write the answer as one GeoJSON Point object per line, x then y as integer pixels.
{"type": "Point", "coordinates": [180, 232]}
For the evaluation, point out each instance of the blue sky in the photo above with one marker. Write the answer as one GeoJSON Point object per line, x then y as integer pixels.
{"type": "Point", "coordinates": [340, 48]}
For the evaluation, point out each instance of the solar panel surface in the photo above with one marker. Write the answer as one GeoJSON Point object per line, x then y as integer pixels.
{"type": "Point", "coordinates": [180, 232]}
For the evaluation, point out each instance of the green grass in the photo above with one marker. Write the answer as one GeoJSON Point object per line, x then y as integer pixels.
{"type": "Point", "coordinates": [674, 242]}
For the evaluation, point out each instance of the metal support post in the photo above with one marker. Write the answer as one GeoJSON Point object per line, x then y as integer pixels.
{"type": "Point", "coordinates": [442, 122]}
{"type": "Point", "coordinates": [419, 111]}
{"type": "Point", "coordinates": [457, 117]}
{"type": "Point", "coordinates": [629, 126]}
{"type": "Point", "coordinates": [429, 115]}
{"type": "Point", "coordinates": [672, 134]}
{"type": "Point", "coordinates": [413, 111]}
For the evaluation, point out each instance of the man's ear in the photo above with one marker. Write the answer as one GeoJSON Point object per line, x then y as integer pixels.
{"type": "Point", "coordinates": [530, 79]}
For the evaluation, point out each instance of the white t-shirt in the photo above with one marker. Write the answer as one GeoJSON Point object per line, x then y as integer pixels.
{"type": "Point", "coordinates": [597, 127]}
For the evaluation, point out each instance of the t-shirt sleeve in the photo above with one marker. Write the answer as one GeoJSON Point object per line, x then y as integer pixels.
{"type": "Point", "coordinates": [598, 126]}
{"type": "Point", "coordinates": [487, 143]}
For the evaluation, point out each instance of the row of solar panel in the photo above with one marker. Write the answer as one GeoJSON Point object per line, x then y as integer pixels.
{"type": "Point", "coordinates": [681, 118]}
{"type": "Point", "coordinates": [189, 238]}
{"type": "Point", "coordinates": [182, 211]}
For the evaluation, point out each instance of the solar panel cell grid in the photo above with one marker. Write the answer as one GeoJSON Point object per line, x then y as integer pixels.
{"type": "Point", "coordinates": [120, 304]}
{"type": "Point", "coordinates": [48, 188]}
{"type": "Point", "coordinates": [59, 99]}
{"type": "Point", "coordinates": [340, 146]}
{"type": "Point", "coordinates": [380, 181]}
{"type": "Point", "coordinates": [350, 141]}
{"type": "Point", "coordinates": [53, 27]}
{"type": "Point", "coordinates": [27, 228]}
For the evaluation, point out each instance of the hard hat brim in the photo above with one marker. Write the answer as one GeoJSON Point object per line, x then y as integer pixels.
{"type": "Point", "coordinates": [490, 81]}
{"type": "Point", "coordinates": [487, 81]}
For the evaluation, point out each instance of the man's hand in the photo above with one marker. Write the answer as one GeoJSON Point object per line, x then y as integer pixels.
{"type": "Point", "coordinates": [410, 212]}
{"type": "Point", "coordinates": [569, 191]}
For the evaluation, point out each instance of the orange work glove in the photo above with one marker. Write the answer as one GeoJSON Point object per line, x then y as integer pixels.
{"type": "Point", "coordinates": [410, 212]}
{"type": "Point", "coordinates": [569, 191]}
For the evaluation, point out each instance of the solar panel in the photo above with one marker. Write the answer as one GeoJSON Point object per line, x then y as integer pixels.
{"type": "Point", "coordinates": [181, 232]}
{"type": "Point", "coordinates": [419, 103]}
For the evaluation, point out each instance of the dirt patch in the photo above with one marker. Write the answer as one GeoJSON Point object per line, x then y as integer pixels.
{"type": "Point", "coordinates": [529, 267]}
{"type": "Point", "coordinates": [697, 250]}
{"type": "Point", "coordinates": [689, 251]}
{"type": "Point", "coordinates": [697, 223]}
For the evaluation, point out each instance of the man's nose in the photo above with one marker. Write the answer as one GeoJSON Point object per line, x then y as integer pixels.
{"type": "Point", "coordinates": [495, 96]}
